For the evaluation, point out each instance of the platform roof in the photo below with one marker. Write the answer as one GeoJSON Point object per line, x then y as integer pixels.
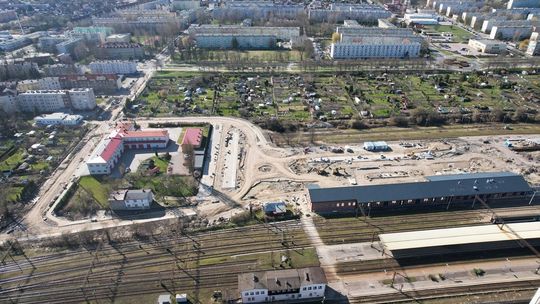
{"type": "Point", "coordinates": [460, 236]}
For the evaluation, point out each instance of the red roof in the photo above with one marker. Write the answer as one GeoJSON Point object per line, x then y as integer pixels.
{"type": "Point", "coordinates": [124, 126]}
{"type": "Point", "coordinates": [111, 148]}
{"type": "Point", "coordinates": [147, 133]}
{"type": "Point", "coordinates": [193, 136]}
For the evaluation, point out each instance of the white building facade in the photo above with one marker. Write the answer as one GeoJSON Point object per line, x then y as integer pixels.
{"type": "Point", "coordinates": [42, 101]}
{"type": "Point", "coordinates": [282, 285]}
{"type": "Point", "coordinates": [383, 47]}
{"type": "Point", "coordinates": [62, 119]}
{"type": "Point", "coordinates": [45, 83]}
{"type": "Point", "coordinates": [131, 199]}
{"type": "Point", "coordinates": [8, 102]}
{"type": "Point", "coordinates": [533, 48]}
{"type": "Point", "coordinates": [82, 99]}
{"type": "Point", "coordinates": [488, 46]}
{"type": "Point", "coordinates": [48, 101]}
{"type": "Point", "coordinates": [106, 156]}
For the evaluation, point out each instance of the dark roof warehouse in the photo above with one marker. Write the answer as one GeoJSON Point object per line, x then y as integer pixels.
{"type": "Point", "coordinates": [436, 186]}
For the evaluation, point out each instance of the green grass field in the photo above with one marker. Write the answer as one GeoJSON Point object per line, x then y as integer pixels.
{"type": "Point", "coordinates": [14, 193]}
{"type": "Point", "coordinates": [460, 35]}
{"type": "Point", "coordinates": [11, 162]}
{"type": "Point", "coordinates": [96, 188]}
{"type": "Point", "coordinates": [161, 163]}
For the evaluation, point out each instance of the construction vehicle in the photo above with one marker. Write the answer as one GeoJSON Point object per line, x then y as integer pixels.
{"type": "Point", "coordinates": [338, 172]}
{"type": "Point", "coordinates": [322, 172]}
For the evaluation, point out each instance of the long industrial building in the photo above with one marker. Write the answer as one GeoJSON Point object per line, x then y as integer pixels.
{"type": "Point", "coordinates": [440, 191]}
{"type": "Point", "coordinates": [461, 240]}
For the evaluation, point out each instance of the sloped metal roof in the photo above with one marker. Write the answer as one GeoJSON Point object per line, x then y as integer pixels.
{"type": "Point", "coordinates": [435, 186]}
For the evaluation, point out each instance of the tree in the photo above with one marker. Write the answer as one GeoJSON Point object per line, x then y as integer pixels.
{"type": "Point", "coordinates": [336, 37]}
{"type": "Point", "coordinates": [524, 44]}
{"type": "Point", "coordinates": [520, 115]}
{"type": "Point", "coordinates": [399, 121]}
{"type": "Point", "coordinates": [234, 43]}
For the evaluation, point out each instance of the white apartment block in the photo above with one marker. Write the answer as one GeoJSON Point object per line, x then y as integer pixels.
{"type": "Point", "coordinates": [533, 48]}
{"type": "Point", "coordinates": [373, 42]}
{"type": "Point", "coordinates": [522, 3]}
{"type": "Point", "coordinates": [82, 99]}
{"type": "Point", "coordinates": [382, 47]}
{"type": "Point", "coordinates": [247, 37]}
{"type": "Point", "coordinates": [487, 24]}
{"type": "Point", "coordinates": [511, 32]}
{"type": "Point", "coordinates": [59, 118]}
{"type": "Point", "coordinates": [42, 101]}
{"type": "Point", "coordinates": [257, 10]}
{"type": "Point", "coordinates": [282, 33]}
{"type": "Point", "coordinates": [8, 102]}
{"type": "Point", "coordinates": [46, 83]}
{"type": "Point", "coordinates": [48, 101]}
{"type": "Point", "coordinates": [488, 46]}
{"type": "Point", "coordinates": [185, 4]}
{"type": "Point", "coordinates": [113, 67]}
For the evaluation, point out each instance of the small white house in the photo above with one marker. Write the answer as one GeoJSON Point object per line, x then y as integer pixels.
{"type": "Point", "coordinates": [131, 199]}
{"type": "Point", "coordinates": [282, 285]}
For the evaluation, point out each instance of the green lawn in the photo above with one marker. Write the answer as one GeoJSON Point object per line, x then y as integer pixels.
{"type": "Point", "coordinates": [161, 163]}
{"type": "Point", "coordinates": [11, 162]}
{"type": "Point", "coordinates": [96, 188]}
{"type": "Point", "coordinates": [40, 166]}
{"type": "Point", "coordinates": [460, 35]}
{"type": "Point", "coordinates": [166, 185]}
{"type": "Point", "coordinates": [14, 193]}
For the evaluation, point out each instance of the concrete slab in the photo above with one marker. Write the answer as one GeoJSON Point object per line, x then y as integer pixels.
{"type": "Point", "coordinates": [231, 161]}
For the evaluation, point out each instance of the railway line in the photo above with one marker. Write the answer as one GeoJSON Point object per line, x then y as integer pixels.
{"type": "Point", "coordinates": [201, 262]}
{"type": "Point", "coordinates": [441, 292]}
{"type": "Point", "coordinates": [185, 263]}
{"type": "Point", "coordinates": [361, 229]}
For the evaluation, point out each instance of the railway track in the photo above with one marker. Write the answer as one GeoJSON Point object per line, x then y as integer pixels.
{"type": "Point", "coordinates": [446, 292]}
{"type": "Point", "coordinates": [189, 263]}
{"type": "Point", "coordinates": [361, 229]}
{"type": "Point", "coordinates": [349, 230]}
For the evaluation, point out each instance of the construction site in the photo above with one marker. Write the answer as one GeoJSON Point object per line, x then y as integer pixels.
{"type": "Point", "coordinates": [202, 249]}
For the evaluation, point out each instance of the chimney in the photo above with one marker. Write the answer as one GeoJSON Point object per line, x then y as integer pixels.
{"type": "Point", "coordinates": [307, 276]}
{"type": "Point", "coordinates": [278, 282]}
{"type": "Point", "coordinates": [255, 279]}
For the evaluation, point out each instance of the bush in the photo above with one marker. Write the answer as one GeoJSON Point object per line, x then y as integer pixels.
{"type": "Point", "coordinates": [427, 117]}
{"type": "Point", "coordinates": [399, 121]}
{"type": "Point", "coordinates": [359, 125]}
{"type": "Point", "coordinates": [275, 125]}
{"type": "Point", "coordinates": [478, 272]}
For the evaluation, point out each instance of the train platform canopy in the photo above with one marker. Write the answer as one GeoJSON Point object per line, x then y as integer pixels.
{"type": "Point", "coordinates": [454, 185]}
{"type": "Point", "coordinates": [462, 236]}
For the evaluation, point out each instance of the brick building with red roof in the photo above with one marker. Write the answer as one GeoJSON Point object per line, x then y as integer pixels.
{"type": "Point", "coordinates": [107, 154]}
